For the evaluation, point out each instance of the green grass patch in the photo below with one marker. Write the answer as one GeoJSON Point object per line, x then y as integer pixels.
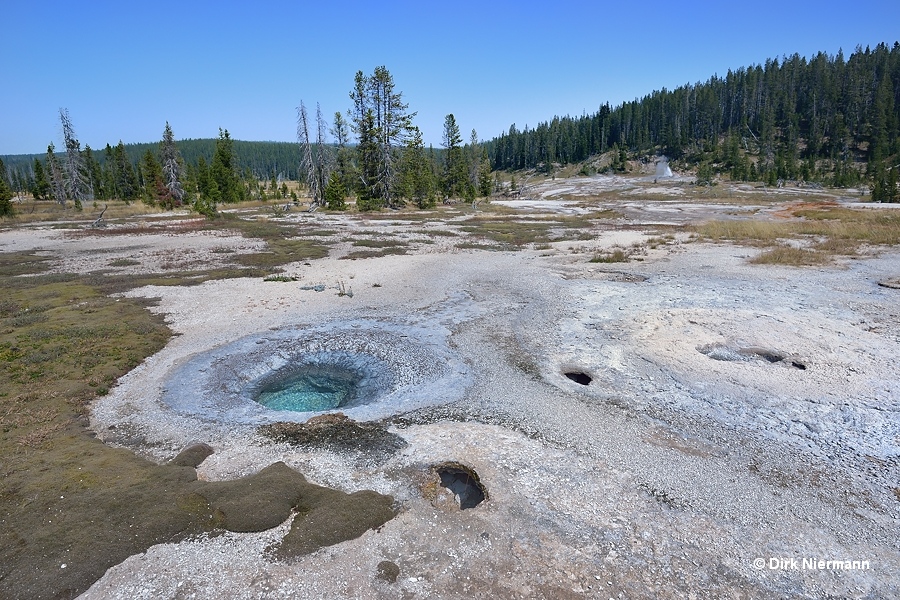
{"type": "Point", "coordinates": [284, 245]}
{"type": "Point", "coordinates": [477, 246]}
{"type": "Point", "coordinates": [22, 263]}
{"type": "Point", "coordinates": [376, 253]}
{"type": "Point", "coordinates": [379, 243]}
{"type": "Point", "coordinates": [123, 262]}
{"type": "Point", "coordinates": [435, 232]}
{"type": "Point", "coordinates": [512, 233]}
{"type": "Point", "coordinates": [281, 252]}
{"type": "Point", "coordinates": [281, 278]}
{"type": "Point", "coordinates": [411, 214]}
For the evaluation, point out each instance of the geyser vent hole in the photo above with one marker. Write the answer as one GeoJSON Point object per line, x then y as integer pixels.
{"type": "Point", "coordinates": [579, 377]}
{"type": "Point", "coordinates": [464, 483]}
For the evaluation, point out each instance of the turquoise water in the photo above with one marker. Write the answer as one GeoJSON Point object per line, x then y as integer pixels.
{"type": "Point", "coordinates": [313, 388]}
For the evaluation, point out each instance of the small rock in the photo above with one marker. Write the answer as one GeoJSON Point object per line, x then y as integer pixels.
{"type": "Point", "coordinates": [388, 571]}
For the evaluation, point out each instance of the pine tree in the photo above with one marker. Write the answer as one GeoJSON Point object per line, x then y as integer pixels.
{"type": "Point", "coordinates": [341, 134]}
{"type": "Point", "coordinates": [309, 165]}
{"type": "Point", "coordinates": [893, 194]}
{"type": "Point", "coordinates": [154, 186]}
{"type": "Point", "coordinates": [6, 207]}
{"type": "Point", "coordinates": [6, 195]}
{"type": "Point", "coordinates": [416, 181]}
{"type": "Point", "coordinates": [172, 170]}
{"type": "Point", "coordinates": [323, 159]}
{"type": "Point", "coordinates": [41, 187]}
{"type": "Point", "coordinates": [884, 127]}
{"type": "Point", "coordinates": [335, 193]}
{"type": "Point", "coordinates": [224, 169]}
{"type": "Point", "coordinates": [110, 188]}
{"type": "Point", "coordinates": [485, 178]}
{"type": "Point", "coordinates": [126, 181]}
{"type": "Point", "coordinates": [455, 172]}
{"type": "Point", "coordinates": [93, 174]}
{"type": "Point", "coordinates": [473, 159]}
{"type": "Point", "coordinates": [367, 158]}
{"type": "Point", "coordinates": [208, 194]}
{"type": "Point", "coordinates": [57, 179]}
{"type": "Point", "coordinates": [382, 124]}
{"type": "Point", "coordinates": [393, 124]}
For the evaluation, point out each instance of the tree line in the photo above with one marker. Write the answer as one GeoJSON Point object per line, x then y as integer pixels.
{"type": "Point", "coordinates": [373, 153]}
{"type": "Point", "coordinates": [829, 119]}
{"type": "Point", "coordinates": [379, 156]}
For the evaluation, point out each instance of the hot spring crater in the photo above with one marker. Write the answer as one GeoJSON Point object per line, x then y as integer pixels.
{"type": "Point", "coordinates": [364, 369]}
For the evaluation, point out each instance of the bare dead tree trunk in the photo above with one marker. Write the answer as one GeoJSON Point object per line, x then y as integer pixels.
{"type": "Point", "coordinates": [75, 179]}
{"type": "Point", "coordinates": [323, 156]}
{"type": "Point", "coordinates": [99, 221]}
{"type": "Point", "coordinates": [307, 165]}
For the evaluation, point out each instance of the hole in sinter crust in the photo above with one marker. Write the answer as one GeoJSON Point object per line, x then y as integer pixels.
{"type": "Point", "coordinates": [579, 377]}
{"type": "Point", "coordinates": [463, 482]}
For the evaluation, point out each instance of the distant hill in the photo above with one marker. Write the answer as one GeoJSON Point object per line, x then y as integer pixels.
{"type": "Point", "coordinates": [261, 158]}
{"type": "Point", "coordinates": [827, 118]}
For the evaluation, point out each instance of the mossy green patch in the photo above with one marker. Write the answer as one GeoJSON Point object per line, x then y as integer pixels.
{"type": "Point", "coordinates": [286, 243]}
{"type": "Point", "coordinates": [357, 254]}
{"type": "Point", "coordinates": [281, 252]}
{"type": "Point", "coordinates": [328, 517]}
{"type": "Point", "coordinates": [378, 243]}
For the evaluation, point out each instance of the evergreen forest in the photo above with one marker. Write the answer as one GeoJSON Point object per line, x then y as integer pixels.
{"type": "Point", "coordinates": [830, 119]}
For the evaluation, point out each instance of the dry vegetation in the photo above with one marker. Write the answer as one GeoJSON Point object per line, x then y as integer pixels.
{"type": "Point", "coordinates": [43, 211]}
{"type": "Point", "coordinates": [810, 236]}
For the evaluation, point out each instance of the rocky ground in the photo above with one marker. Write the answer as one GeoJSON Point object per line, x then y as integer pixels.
{"type": "Point", "coordinates": [740, 424]}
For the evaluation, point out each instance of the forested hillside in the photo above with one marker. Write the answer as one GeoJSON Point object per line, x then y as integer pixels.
{"type": "Point", "coordinates": [828, 118]}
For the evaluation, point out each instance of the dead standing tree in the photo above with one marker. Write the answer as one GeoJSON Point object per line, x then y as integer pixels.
{"type": "Point", "coordinates": [77, 185]}
{"type": "Point", "coordinates": [316, 166]}
{"type": "Point", "coordinates": [323, 156]}
{"type": "Point", "coordinates": [307, 164]}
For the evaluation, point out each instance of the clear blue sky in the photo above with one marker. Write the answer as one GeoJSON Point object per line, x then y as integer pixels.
{"type": "Point", "coordinates": [125, 68]}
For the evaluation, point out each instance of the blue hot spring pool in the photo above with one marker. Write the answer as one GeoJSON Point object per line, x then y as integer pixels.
{"type": "Point", "coordinates": [311, 388]}
{"type": "Point", "coordinates": [365, 369]}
